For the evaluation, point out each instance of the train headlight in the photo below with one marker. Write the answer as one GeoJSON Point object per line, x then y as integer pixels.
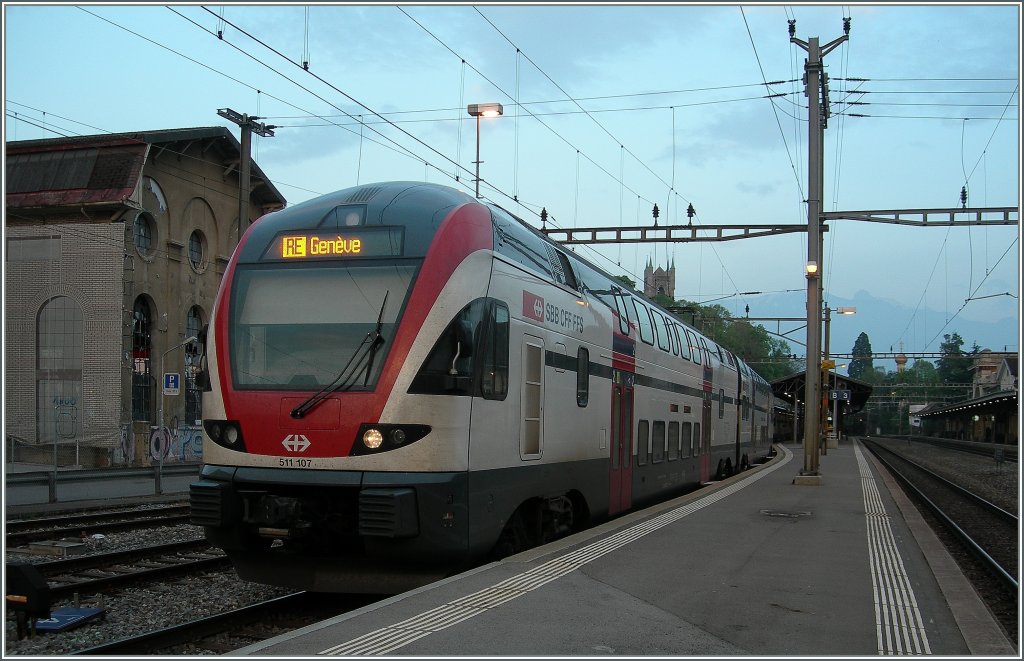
{"type": "Point", "coordinates": [226, 433]}
{"type": "Point", "coordinates": [377, 437]}
{"type": "Point", "coordinates": [372, 438]}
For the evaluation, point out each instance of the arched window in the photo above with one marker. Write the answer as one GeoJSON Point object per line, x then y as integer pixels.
{"type": "Point", "coordinates": [59, 333]}
{"type": "Point", "coordinates": [142, 347]}
{"type": "Point", "coordinates": [143, 234]}
{"type": "Point", "coordinates": [193, 394]}
{"type": "Point", "coordinates": [197, 251]}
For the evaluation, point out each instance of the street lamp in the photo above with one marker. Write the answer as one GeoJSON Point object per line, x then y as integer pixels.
{"type": "Point", "coordinates": [160, 430]}
{"type": "Point", "coordinates": [479, 110]}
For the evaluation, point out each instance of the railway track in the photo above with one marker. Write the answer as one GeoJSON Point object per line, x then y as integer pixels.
{"type": "Point", "coordinates": [981, 536]}
{"type": "Point", "coordinates": [1006, 453]}
{"type": "Point", "coordinates": [19, 532]}
{"type": "Point", "coordinates": [103, 571]}
{"type": "Point", "coordinates": [231, 630]}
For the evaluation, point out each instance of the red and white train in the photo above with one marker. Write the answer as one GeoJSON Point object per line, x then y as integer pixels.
{"type": "Point", "coordinates": [404, 381]}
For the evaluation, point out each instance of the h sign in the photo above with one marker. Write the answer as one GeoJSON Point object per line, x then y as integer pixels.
{"type": "Point", "coordinates": [172, 383]}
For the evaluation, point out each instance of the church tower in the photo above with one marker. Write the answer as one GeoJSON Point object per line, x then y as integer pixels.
{"type": "Point", "coordinates": [660, 281]}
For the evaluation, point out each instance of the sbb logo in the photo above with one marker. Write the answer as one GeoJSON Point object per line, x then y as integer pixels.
{"type": "Point", "coordinates": [533, 306]}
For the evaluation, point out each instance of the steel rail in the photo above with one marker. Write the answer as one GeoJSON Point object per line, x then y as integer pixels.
{"type": "Point", "coordinates": [987, 560]}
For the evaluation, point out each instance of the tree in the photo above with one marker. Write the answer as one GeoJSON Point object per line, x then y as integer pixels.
{"type": "Point", "coordinates": [954, 366]}
{"type": "Point", "coordinates": [862, 365]}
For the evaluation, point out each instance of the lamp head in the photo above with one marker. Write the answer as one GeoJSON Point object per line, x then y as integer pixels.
{"type": "Point", "coordinates": [485, 109]}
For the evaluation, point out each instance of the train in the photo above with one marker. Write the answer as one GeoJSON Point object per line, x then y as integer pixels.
{"type": "Point", "coordinates": [403, 381]}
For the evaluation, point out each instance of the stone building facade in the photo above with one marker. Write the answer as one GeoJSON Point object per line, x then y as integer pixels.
{"type": "Point", "coordinates": [114, 250]}
{"type": "Point", "coordinates": [660, 281]}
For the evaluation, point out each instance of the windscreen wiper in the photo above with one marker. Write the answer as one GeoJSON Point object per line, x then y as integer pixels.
{"type": "Point", "coordinates": [366, 350]}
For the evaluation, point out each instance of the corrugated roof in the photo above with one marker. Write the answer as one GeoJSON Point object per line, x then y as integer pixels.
{"type": "Point", "coordinates": [87, 169]}
{"type": "Point", "coordinates": [73, 176]}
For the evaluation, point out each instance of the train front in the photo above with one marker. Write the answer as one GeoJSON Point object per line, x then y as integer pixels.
{"type": "Point", "coordinates": [317, 473]}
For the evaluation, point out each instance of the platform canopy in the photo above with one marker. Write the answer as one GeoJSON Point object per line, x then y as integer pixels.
{"type": "Point", "coordinates": [795, 384]}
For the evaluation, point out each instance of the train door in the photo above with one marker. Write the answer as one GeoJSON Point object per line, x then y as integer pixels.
{"type": "Point", "coordinates": [620, 493]}
{"type": "Point", "coordinates": [705, 433]}
{"type": "Point", "coordinates": [705, 416]}
{"type": "Point", "coordinates": [531, 431]}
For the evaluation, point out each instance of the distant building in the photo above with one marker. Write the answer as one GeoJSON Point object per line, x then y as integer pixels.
{"type": "Point", "coordinates": [114, 249]}
{"type": "Point", "coordinates": [993, 373]}
{"type": "Point", "coordinates": [991, 415]}
{"type": "Point", "coordinates": [660, 281]}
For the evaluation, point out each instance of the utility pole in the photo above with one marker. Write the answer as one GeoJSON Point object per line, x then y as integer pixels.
{"type": "Point", "coordinates": [249, 125]}
{"type": "Point", "coordinates": [817, 97]}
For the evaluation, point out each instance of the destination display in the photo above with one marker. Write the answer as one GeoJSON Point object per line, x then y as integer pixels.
{"type": "Point", "coordinates": [333, 244]}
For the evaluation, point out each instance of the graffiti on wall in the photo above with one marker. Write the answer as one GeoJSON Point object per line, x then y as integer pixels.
{"type": "Point", "coordinates": [183, 444]}
{"type": "Point", "coordinates": [124, 452]}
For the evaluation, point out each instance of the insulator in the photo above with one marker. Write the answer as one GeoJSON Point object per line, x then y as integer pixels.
{"type": "Point", "coordinates": [792, 28]}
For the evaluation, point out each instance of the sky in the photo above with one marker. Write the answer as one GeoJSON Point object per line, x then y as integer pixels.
{"type": "Point", "coordinates": [608, 110]}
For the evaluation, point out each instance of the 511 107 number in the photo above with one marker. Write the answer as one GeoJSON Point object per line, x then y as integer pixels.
{"type": "Point", "coordinates": [290, 462]}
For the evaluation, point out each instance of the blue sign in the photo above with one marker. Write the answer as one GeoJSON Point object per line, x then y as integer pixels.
{"type": "Point", "coordinates": [172, 383]}
{"type": "Point", "coordinates": [68, 618]}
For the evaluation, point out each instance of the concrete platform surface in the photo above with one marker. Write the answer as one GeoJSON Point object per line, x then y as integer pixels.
{"type": "Point", "coordinates": [752, 565]}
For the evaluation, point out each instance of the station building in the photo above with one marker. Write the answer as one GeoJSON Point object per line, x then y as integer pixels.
{"type": "Point", "coordinates": [115, 246]}
{"type": "Point", "coordinates": [991, 414]}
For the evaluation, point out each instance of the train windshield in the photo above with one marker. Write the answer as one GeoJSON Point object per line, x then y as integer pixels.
{"type": "Point", "coordinates": [296, 328]}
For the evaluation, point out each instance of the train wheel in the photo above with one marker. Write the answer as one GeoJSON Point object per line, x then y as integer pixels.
{"type": "Point", "coordinates": [514, 538]}
{"type": "Point", "coordinates": [720, 471]}
{"type": "Point", "coordinates": [744, 463]}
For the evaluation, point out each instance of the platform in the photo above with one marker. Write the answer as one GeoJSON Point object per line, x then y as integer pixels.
{"type": "Point", "coordinates": [752, 565]}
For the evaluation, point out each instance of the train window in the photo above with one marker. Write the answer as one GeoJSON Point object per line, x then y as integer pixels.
{"type": "Point", "coordinates": [681, 342]}
{"type": "Point", "coordinates": [644, 322]}
{"type": "Point", "coordinates": [694, 347]}
{"type": "Point", "coordinates": [658, 441]}
{"type": "Point", "coordinates": [673, 339]}
{"type": "Point", "coordinates": [721, 403]}
{"type": "Point", "coordinates": [695, 440]}
{"type": "Point", "coordinates": [582, 376]}
{"type": "Point", "coordinates": [673, 440]}
{"type": "Point", "coordinates": [664, 343]}
{"type": "Point", "coordinates": [707, 352]}
{"type": "Point", "coordinates": [684, 440]}
{"type": "Point", "coordinates": [519, 244]}
{"type": "Point", "coordinates": [285, 337]}
{"type": "Point", "coordinates": [623, 309]}
{"type": "Point", "coordinates": [451, 367]}
{"type": "Point", "coordinates": [494, 352]}
{"type": "Point", "coordinates": [643, 440]}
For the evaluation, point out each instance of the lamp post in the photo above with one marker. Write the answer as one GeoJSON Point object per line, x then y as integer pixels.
{"type": "Point", "coordinates": [479, 110]}
{"type": "Point", "coordinates": [160, 429]}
